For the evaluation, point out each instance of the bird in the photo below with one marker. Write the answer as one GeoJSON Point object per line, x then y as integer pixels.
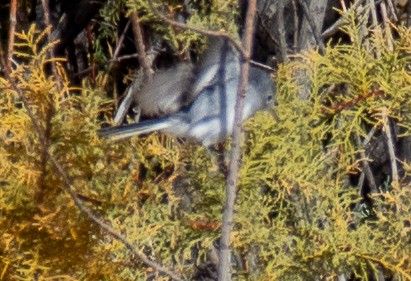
{"type": "Point", "coordinates": [204, 109]}
{"type": "Point", "coordinates": [167, 92]}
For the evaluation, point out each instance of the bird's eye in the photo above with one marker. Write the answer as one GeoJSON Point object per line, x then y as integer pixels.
{"type": "Point", "coordinates": [270, 97]}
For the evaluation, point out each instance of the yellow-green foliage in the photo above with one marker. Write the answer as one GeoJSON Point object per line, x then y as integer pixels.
{"type": "Point", "coordinates": [295, 216]}
{"type": "Point", "coordinates": [296, 205]}
{"type": "Point", "coordinates": [216, 15]}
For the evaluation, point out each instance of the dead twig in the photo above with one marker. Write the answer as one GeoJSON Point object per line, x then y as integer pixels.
{"type": "Point", "coordinates": [262, 66]}
{"type": "Point", "coordinates": [366, 167]}
{"type": "Point", "coordinates": [118, 46]}
{"type": "Point", "coordinates": [224, 266]}
{"type": "Point", "coordinates": [12, 30]}
{"type": "Point", "coordinates": [124, 106]}
{"type": "Point", "coordinates": [336, 26]}
{"type": "Point", "coordinates": [142, 57]}
{"type": "Point", "coordinates": [390, 145]}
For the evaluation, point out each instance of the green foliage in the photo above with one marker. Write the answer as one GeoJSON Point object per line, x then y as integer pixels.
{"type": "Point", "coordinates": [107, 30]}
{"type": "Point", "coordinates": [214, 15]}
{"type": "Point", "coordinates": [295, 214]}
{"type": "Point", "coordinates": [296, 205]}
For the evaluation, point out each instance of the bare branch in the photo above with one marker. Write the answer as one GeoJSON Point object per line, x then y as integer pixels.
{"type": "Point", "coordinates": [408, 15]}
{"type": "Point", "coordinates": [126, 57]}
{"type": "Point", "coordinates": [336, 26]}
{"type": "Point", "coordinates": [118, 47]}
{"type": "Point", "coordinates": [390, 145]}
{"type": "Point", "coordinates": [392, 10]}
{"type": "Point", "coordinates": [366, 167]}
{"type": "Point", "coordinates": [124, 106]}
{"type": "Point", "coordinates": [224, 267]}
{"type": "Point", "coordinates": [12, 29]}
{"type": "Point", "coordinates": [262, 66]}
{"type": "Point", "coordinates": [387, 27]}
{"type": "Point", "coordinates": [142, 57]}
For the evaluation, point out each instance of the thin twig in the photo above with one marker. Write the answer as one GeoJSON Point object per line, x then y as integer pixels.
{"type": "Point", "coordinates": [361, 183]}
{"type": "Point", "coordinates": [125, 57]}
{"type": "Point", "coordinates": [118, 59]}
{"type": "Point", "coordinates": [118, 46]}
{"type": "Point", "coordinates": [408, 22]}
{"type": "Point", "coordinates": [262, 66]}
{"type": "Point", "coordinates": [336, 26]}
{"type": "Point", "coordinates": [392, 9]}
{"type": "Point", "coordinates": [142, 57]}
{"type": "Point", "coordinates": [45, 5]}
{"type": "Point", "coordinates": [12, 29]}
{"type": "Point", "coordinates": [386, 21]}
{"type": "Point", "coordinates": [390, 145]}
{"type": "Point", "coordinates": [67, 186]}
{"type": "Point", "coordinates": [3, 59]}
{"type": "Point", "coordinates": [368, 138]}
{"type": "Point", "coordinates": [125, 104]}
{"type": "Point", "coordinates": [366, 167]}
{"type": "Point", "coordinates": [145, 64]}
{"type": "Point", "coordinates": [224, 267]}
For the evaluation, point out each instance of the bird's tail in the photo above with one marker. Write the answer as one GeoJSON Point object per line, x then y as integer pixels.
{"type": "Point", "coordinates": [141, 128]}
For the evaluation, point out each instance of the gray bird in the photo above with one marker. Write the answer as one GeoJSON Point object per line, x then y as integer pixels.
{"type": "Point", "coordinates": [167, 92]}
{"type": "Point", "coordinates": [171, 90]}
{"type": "Point", "coordinates": [209, 118]}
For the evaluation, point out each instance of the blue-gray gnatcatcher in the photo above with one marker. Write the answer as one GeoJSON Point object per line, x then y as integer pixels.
{"type": "Point", "coordinates": [204, 108]}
